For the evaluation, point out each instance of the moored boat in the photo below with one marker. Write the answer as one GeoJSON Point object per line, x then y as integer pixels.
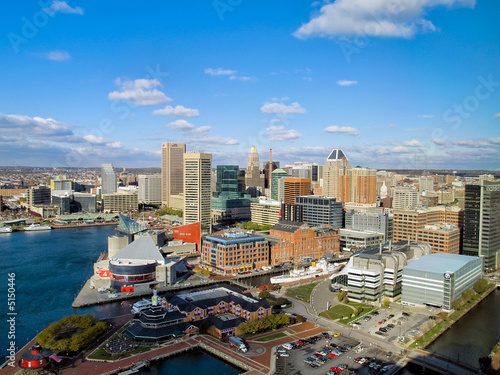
{"type": "Point", "coordinates": [37, 227]}
{"type": "Point", "coordinates": [5, 230]}
{"type": "Point", "coordinates": [317, 269]}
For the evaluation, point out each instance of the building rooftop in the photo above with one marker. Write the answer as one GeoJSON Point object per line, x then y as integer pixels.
{"type": "Point", "coordinates": [142, 249]}
{"type": "Point", "coordinates": [336, 154]}
{"type": "Point", "coordinates": [288, 226]}
{"type": "Point", "coordinates": [129, 226]}
{"type": "Point", "coordinates": [440, 262]}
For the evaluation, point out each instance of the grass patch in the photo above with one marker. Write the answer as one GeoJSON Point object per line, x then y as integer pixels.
{"type": "Point", "coordinates": [338, 312]}
{"type": "Point", "coordinates": [101, 354]}
{"type": "Point", "coordinates": [302, 292]}
{"type": "Point", "coordinates": [344, 312]}
{"type": "Point", "coordinates": [271, 337]}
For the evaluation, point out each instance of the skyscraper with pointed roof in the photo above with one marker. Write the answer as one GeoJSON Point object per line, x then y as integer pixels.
{"type": "Point", "coordinates": [336, 166]}
{"type": "Point", "coordinates": [254, 179]}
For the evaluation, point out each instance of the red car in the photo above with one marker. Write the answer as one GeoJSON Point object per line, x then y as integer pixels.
{"type": "Point", "coordinates": [300, 342]}
{"type": "Point", "coordinates": [336, 369]}
{"type": "Point", "coordinates": [333, 355]}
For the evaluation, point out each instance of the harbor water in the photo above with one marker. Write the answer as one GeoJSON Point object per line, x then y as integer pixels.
{"type": "Point", "coordinates": [51, 267]}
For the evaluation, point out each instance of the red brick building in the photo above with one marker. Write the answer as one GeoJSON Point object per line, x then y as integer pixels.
{"type": "Point", "coordinates": [295, 241]}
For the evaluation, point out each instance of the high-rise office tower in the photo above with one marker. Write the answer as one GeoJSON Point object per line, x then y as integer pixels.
{"type": "Point", "coordinates": [108, 176]}
{"type": "Point", "coordinates": [172, 174]}
{"type": "Point", "coordinates": [254, 179]}
{"type": "Point", "coordinates": [197, 189]}
{"type": "Point", "coordinates": [336, 166]}
{"type": "Point", "coordinates": [358, 185]}
{"type": "Point", "coordinates": [150, 189]}
{"type": "Point", "coordinates": [295, 187]}
{"type": "Point", "coordinates": [482, 222]}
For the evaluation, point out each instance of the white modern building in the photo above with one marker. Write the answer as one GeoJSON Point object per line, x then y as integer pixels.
{"type": "Point", "coordinates": [438, 279]}
{"type": "Point", "coordinates": [150, 189]}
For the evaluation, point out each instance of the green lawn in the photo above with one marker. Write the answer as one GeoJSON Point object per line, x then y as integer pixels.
{"type": "Point", "coordinates": [302, 292]}
{"type": "Point", "coordinates": [271, 337]}
{"type": "Point", "coordinates": [337, 312]}
{"type": "Point", "coordinates": [344, 312]}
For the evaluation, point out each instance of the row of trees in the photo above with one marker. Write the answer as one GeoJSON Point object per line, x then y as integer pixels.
{"type": "Point", "coordinates": [71, 333]}
{"type": "Point", "coordinates": [270, 322]}
{"type": "Point", "coordinates": [169, 211]}
{"type": "Point", "coordinates": [254, 226]}
{"type": "Point", "coordinates": [469, 295]}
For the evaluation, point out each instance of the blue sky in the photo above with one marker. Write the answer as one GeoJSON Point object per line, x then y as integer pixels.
{"type": "Point", "coordinates": [395, 83]}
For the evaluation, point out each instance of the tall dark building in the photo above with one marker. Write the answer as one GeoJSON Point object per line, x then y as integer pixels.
{"type": "Point", "coordinates": [482, 222]}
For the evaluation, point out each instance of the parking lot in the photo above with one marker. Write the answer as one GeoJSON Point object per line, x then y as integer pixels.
{"type": "Point", "coordinates": [394, 325]}
{"type": "Point", "coordinates": [326, 354]}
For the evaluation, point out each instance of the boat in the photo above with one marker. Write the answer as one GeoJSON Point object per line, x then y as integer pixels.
{"type": "Point", "coordinates": [315, 270]}
{"type": "Point", "coordinates": [37, 227]}
{"type": "Point", "coordinates": [5, 230]}
{"type": "Point", "coordinates": [141, 305]}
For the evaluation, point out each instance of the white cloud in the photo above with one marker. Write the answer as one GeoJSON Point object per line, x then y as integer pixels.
{"type": "Point", "coordinates": [427, 116]}
{"type": "Point", "coordinates": [140, 92]}
{"type": "Point", "coordinates": [94, 139]}
{"type": "Point", "coordinates": [282, 108]}
{"type": "Point", "coordinates": [233, 74]}
{"type": "Point", "coordinates": [400, 149]}
{"type": "Point", "coordinates": [497, 115]}
{"type": "Point", "coordinates": [495, 141]}
{"type": "Point", "coordinates": [412, 143]}
{"type": "Point", "coordinates": [201, 129]}
{"type": "Point", "coordinates": [381, 18]}
{"type": "Point", "coordinates": [220, 72]}
{"type": "Point", "coordinates": [181, 125]}
{"type": "Point", "coordinates": [178, 111]}
{"type": "Point", "coordinates": [346, 83]}
{"type": "Point", "coordinates": [347, 130]}
{"type": "Point", "coordinates": [63, 7]}
{"type": "Point", "coordinates": [215, 140]}
{"type": "Point", "coordinates": [57, 55]}
{"type": "Point", "coordinates": [474, 143]}
{"type": "Point", "coordinates": [240, 78]}
{"type": "Point", "coordinates": [280, 133]}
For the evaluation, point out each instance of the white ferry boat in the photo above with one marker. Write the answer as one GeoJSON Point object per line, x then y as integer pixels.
{"type": "Point", "coordinates": [5, 230]}
{"type": "Point", "coordinates": [141, 305]}
{"type": "Point", "coordinates": [315, 270]}
{"type": "Point", "coordinates": [37, 227]}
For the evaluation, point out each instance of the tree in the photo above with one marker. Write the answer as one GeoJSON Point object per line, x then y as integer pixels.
{"type": "Point", "coordinates": [386, 301]}
{"type": "Point", "coordinates": [264, 294]}
{"type": "Point", "coordinates": [280, 301]}
{"type": "Point", "coordinates": [481, 286]}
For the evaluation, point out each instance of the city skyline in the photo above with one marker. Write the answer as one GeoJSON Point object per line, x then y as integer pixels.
{"type": "Point", "coordinates": [394, 85]}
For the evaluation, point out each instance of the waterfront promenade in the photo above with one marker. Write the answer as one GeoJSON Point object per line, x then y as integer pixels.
{"type": "Point", "coordinates": [258, 360]}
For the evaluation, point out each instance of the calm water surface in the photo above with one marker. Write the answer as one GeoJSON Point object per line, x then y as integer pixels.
{"type": "Point", "coordinates": [52, 266]}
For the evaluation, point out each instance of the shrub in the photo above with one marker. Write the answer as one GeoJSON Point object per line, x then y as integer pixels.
{"type": "Point", "coordinates": [264, 294]}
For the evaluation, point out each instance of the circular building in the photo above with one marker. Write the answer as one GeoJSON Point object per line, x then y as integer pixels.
{"type": "Point", "coordinates": [36, 357]}
{"type": "Point", "coordinates": [135, 264]}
